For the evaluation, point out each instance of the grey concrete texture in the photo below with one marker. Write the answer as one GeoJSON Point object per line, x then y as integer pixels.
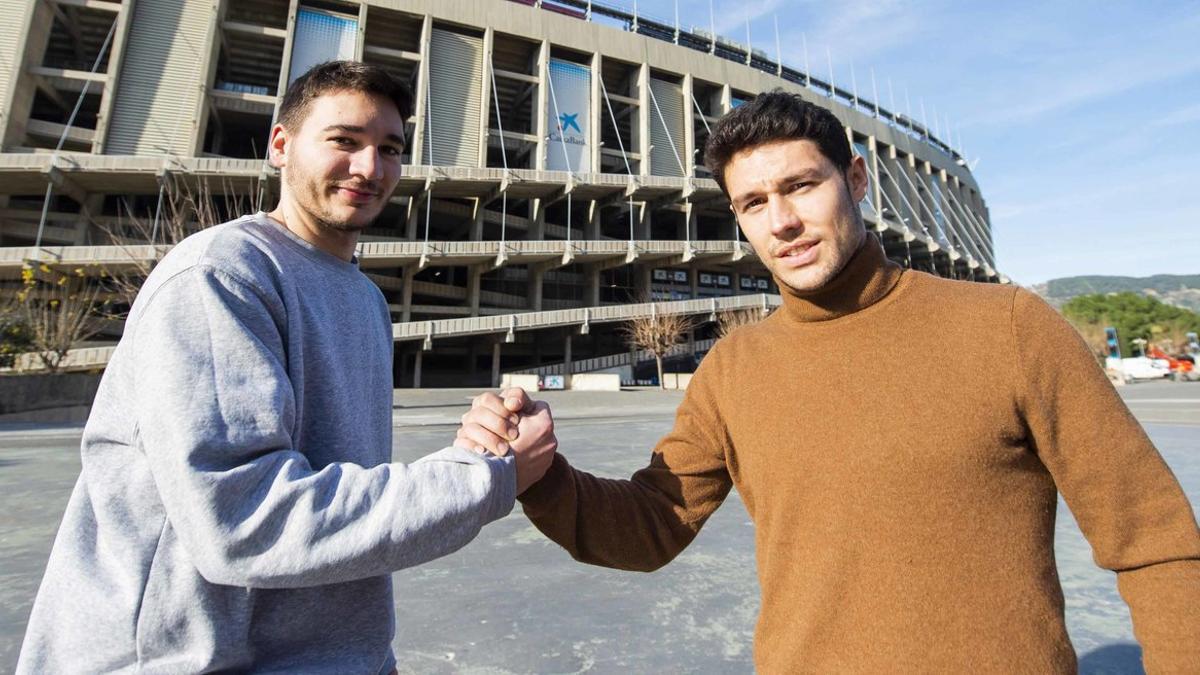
{"type": "Point", "coordinates": [512, 602]}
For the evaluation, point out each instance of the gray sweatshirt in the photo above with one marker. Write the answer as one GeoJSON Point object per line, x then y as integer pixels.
{"type": "Point", "coordinates": [237, 507]}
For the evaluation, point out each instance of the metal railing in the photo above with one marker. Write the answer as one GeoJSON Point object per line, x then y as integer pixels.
{"type": "Point", "coordinates": [617, 360]}
{"type": "Point", "coordinates": [583, 316]}
{"type": "Point", "coordinates": [95, 358]}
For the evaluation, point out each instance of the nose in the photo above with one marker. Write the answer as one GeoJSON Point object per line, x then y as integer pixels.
{"type": "Point", "coordinates": [783, 216]}
{"type": "Point", "coordinates": [366, 164]}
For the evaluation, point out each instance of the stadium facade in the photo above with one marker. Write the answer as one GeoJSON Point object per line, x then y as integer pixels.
{"type": "Point", "coordinates": [553, 178]}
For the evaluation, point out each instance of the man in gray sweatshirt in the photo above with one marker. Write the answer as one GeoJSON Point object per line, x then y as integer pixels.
{"type": "Point", "coordinates": [237, 507]}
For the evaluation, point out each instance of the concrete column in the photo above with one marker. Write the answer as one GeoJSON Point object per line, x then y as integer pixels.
{"type": "Point", "coordinates": [94, 204]}
{"type": "Point", "coordinates": [406, 293]}
{"type": "Point", "coordinates": [598, 111]}
{"type": "Point", "coordinates": [591, 296]}
{"type": "Point", "coordinates": [543, 98]}
{"type": "Point", "coordinates": [476, 233]}
{"type": "Point", "coordinates": [421, 103]}
{"type": "Point", "coordinates": [474, 276]}
{"type": "Point", "coordinates": [116, 55]}
{"type": "Point", "coordinates": [919, 215]}
{"type": "Point", "coordinates": [36, 19]}
{"type": "Point", "coordinates": [496, 364]}
{"type": "Point", "coordinates": [643, 277]}
{"type": "Point", "coordinates": [417, 368]}
{"type": "Point", "coordinates": [537, 220]}
{"type": "Point", "coordinates": [567, 365]}
{"type": "Point", "coordinates": [689, 127]}
{"type": "Point", "coordinates": [873, 175]}
{"type": "Point", "coordinates": [694, 281]}
{"type": "Point", "coordinates": [485, 99]}
{"type": "Point", "coordinates": [689, 221]}
{"type": "Point", "coordinates": [643, 218]}
{"type": "Point", "coordinates": [416, 211]}
{"type": "Point", "coordinates": [399, 365]}
{"type": "Point", "coordinates": [536, 278]}
{"type": "Point", "coordinates": [591, 230]}
{"type": "Point", "coordinates": [641, 137]}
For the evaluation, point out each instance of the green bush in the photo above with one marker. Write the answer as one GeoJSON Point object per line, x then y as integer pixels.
{"type": "Point", "coordinates": [15, 338]}
{"type": "Point", "coordinates": [1134, 316]}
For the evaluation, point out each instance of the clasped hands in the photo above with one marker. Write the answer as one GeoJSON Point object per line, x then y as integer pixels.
{"type": "Point", "coordinates": [511, 421]}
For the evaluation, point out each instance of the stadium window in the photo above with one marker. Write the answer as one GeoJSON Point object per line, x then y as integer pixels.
{"type": "Point", "coordinates": [321, 35]}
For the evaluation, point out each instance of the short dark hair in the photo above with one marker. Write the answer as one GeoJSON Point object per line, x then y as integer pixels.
{"type": "Point", "coordinates": [775, 116]}
{"type": "Point", "coordinates": [335, 76]}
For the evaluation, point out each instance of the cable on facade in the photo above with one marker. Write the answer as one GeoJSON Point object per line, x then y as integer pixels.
{"type": "Point", "coordinates": [562, 142]}
{"type": "Point", "coordinates": [503, 156]}
{"type": "Point", "coordinates": [62, 139]}
{"type": "Point", "coordinates": [624, 156]}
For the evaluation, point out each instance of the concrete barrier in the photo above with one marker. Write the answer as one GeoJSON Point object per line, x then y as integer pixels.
{"type": "Point", "coordinates": [526, 382]}
{"type": "Point", "coordinates": [29, 393]}
{"type": "Point", "coordinates": [676, 380]}
{"type": "Point", "coordinates": [595, 382]}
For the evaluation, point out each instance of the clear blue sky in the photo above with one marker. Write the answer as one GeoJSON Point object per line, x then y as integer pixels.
{"type": "Point", "coordinates": [1084, 116]}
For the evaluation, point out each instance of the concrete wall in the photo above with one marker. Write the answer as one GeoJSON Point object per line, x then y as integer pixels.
{"type": "Point", "coordinates": [23, 38]}
{"type": "Point", "coordinates": [163, 79]}
{"type": "Point", "coordinates": [31, 393]}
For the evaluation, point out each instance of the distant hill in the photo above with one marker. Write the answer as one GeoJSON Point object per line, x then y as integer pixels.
{"type": "Point", "coordinates": [1180, 290]}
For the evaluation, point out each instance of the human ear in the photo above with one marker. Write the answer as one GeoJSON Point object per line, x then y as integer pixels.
{"type": "Point", "coordinates": [277, 147]}
{"type": "Point", "coordinates": [856, 178]}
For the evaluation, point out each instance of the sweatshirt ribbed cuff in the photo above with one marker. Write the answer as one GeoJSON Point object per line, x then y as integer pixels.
{"type": "Point", "coordinates": [504, 480]}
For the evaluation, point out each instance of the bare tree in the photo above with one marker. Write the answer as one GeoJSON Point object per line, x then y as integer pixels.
{"type": "Point", "coordinates": [657, 333]}
{"type": "Point", "coordinates": [14, 332]}
{"type": "Point", "coordinates": [59, 310]}
{"type": "Point", "coordinates": [730, 320]}
{"type": "Point", "coordinates": [185, 210]}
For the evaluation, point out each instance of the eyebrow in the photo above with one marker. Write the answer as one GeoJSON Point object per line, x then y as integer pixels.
{"type": "Point", "coordinates": [803, 174]}
{"type": "Point", "coordinates": [355, 129]}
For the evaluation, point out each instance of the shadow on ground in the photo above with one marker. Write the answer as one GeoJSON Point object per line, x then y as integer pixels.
{"type": "Point", "coordinates": [1116, 659]}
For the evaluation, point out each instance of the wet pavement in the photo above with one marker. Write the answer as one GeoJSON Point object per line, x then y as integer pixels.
{"type": "Point", "coordinates": [512, 602]}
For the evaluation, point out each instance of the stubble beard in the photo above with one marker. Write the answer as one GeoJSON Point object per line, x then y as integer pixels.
{"type": "Point", "coordinates": [826, 270]}
{"type": "Point", "coordinates": [308, 193]}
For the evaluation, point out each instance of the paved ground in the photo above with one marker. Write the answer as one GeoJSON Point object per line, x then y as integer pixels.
{"type": "Point", "coordinates": [511, 602]}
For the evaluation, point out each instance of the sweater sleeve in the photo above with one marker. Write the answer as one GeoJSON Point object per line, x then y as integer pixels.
{"type": "Point", "coordinates": [215, 411]}
{"type": "Point", "coordinates": [644, 522]}
{"type": "Point", "coordinates": [1127, 502]}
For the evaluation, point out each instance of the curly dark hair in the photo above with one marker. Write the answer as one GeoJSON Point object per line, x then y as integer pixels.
{"type": "Point", "coordinates": [334, 76]}
{"type": "Point", "coordinates": [775, 116]}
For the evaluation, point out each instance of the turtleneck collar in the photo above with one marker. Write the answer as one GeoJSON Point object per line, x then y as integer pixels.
{"type": "Point", "coordinates": [865, 280]}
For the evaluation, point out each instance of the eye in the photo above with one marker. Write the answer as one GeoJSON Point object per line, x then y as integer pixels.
{"type": "Point", "coordinates": [752, 204]}
{"type": "Point", "coordinates": [799, 185]}
{"type": "Point", "coordinates": [343, 141]}
{"type": "Point", "coordinates": [389, 150]}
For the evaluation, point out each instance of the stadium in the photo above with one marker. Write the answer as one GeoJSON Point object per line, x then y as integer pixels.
{"type": "Point", "coordinates": [553, 188]}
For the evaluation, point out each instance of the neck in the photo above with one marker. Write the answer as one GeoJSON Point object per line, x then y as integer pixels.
{"type": "Point", "coordinates": [339, 243]}
{"type": "Point", "coordinates": [865, 280]}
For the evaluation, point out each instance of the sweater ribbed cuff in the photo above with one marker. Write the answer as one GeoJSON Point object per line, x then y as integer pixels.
{"type": "Point", "coordinates": [545, 494]}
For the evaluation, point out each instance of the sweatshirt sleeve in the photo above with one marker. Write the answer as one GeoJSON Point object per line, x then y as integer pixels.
{"type": "Point", "coordinates": [644, 522]}
{"type": "Point", "coordinates": [1127, 502]}
{"type": "Point", "coordinates": [215, 409]}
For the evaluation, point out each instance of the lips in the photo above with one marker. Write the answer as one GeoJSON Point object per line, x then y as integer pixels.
{"type": "Point", "coordinates": [356, 193]}
{"type": "Point", "coordinates": [798, 254]}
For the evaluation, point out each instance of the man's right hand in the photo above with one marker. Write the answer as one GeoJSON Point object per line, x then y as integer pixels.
{"type": "Point", "coordinates": [489, 425]}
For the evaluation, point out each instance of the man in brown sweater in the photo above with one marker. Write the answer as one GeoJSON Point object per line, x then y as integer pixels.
{"type": "Point", "coordinates": [899, 441]}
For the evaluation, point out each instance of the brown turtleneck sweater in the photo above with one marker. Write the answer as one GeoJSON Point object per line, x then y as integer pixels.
{"type": "Point", "coordinates": [899, 441]}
